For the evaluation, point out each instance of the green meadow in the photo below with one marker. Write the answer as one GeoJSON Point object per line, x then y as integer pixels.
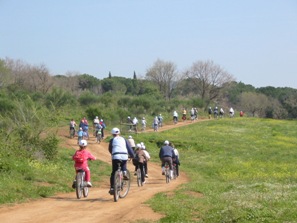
{"type": "Point", "coordinates": [240, 170]}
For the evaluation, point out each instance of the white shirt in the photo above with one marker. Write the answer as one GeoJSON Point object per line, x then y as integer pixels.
{"type": "Point", "coordinates": [119, 149]}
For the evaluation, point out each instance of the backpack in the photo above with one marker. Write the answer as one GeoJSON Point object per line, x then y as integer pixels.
{"type": "Point", "coordinates": [78, 157]}
{"type": "Point", "coordinates": [135, 160]}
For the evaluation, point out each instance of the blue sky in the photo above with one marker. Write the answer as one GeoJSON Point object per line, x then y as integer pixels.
{"type": "Point", "coordinates": [255, 40]}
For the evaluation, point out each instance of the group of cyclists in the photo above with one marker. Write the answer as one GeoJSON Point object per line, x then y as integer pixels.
{"type": "Point", "coordinates": [121, 150]}
{"type": "Point", "coordinates": [219, 113]}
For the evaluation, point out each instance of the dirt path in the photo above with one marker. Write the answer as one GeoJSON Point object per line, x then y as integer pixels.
{"type": "Point", "coordinates": [99, 205]}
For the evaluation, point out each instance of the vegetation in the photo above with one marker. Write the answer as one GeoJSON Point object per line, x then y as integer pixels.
{"type": "Point", "coordinates": [241, 170]}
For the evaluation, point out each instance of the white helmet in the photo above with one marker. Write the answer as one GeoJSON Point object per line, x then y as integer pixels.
{"type": "Point", "coordinates": [83, 142]}
{"type": "Point", "coordinates": [138, 145]}
{"type": "Point", "coordinates": [130, 137]}
{"type": "Point", "coordinates": [115, 131]}
{"type": "Point", "coordinates": [166, 142]}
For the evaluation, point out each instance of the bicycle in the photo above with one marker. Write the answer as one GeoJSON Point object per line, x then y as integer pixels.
{"type": "Point", "coordinates": [98, 136]}
{"type": "Point", "coordinates": [167, 172]}
{"type": "Point", "coordinates": [174, 171]}
{"type": "Point", "coordinates": [121, 186]}
{"type": "Point", "coordinates": [72, 133]}
{"type": "Point", "coordinates": [81, 185]}
{"type": "Point", "coordinates": [138, 175]}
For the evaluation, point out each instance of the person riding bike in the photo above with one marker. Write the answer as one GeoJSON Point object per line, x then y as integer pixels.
{"type": "Point", "coordinates": [139, 160]}
{"type": "Point", "coordinates": [81, 158]}
{"type": "Point", "coordinates": [175, 117]}
{"type": "Point", "coordinates": [72, 125]}
{"type": "Point", "coordinates": [167, 154]}
{"type": "Point", "coordinates": [120, 150]}
{"type": "Point", "coordinates": [176, 159]}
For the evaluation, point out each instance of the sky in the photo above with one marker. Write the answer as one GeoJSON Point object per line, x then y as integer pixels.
{"type": "Point", "coordinates": [255, 41]}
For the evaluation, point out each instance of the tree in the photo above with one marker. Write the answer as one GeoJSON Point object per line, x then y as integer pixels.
{"type": "Point", "coordinates": [209, 79]}
{"type": "Point", "coordinates": [164, 75]}
{"type": "Point", "coordinates": [255, 103]}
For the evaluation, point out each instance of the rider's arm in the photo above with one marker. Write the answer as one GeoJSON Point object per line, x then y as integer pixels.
{"type": "Point", "coordinates": [110, 146]}
{"type": "Point", "coordinates": [129, 149]}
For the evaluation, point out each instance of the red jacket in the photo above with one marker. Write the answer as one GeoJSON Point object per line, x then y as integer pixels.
{"type": "Point", "coordinates": [81, 158]}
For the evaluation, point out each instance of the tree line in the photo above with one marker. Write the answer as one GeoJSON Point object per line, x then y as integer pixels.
{"type": "Point", "coordinates": [162, 89]}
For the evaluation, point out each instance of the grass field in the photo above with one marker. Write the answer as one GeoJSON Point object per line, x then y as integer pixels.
{"type": "Point", "coordinates": [240, 170]}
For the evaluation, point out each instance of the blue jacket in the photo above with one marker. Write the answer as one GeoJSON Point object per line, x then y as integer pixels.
{"type": "Point", "coordinates": [166, 151]}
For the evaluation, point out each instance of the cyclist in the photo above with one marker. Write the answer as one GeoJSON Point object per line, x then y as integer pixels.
{"type": "Point", "coordinates": [147, 159]}
{"type": "Point", "coordinates": [176, 160]}
{"type": "Point", "coordinates": [160, 118]}
{"type": "Point", "coordinates": [209, 112]}
{"type": "Point", "coordinates": [81, 158]}
{"type": "Point", "coordinates": [80, 135]}
{"type": "Point", "coordinates": [166, 154]}
{"type": "Point", "coordinates": [175, 117]}
{"type": "Point", "coordinates": [221, 112]}
{"type": "Point", "coordinates": [131, 142]}
{"type": "Point", "coordinates": [143, 124]}
{"type": "Point", "coordinates": [196, 113]}
{"type": "Point", "coordinates": [119, 149]}
{"type": "Point", "coordinates": [184, 114]}
{"type": "Point", "coordinates": [135, 123]}
{"type": "Point", "coordinates": [139, 160]}
{"type": "Point", "coordinates": [98, 129]}
{"type": "Point", "coordinates": [72, 125]}
{"type": "Point", "coordinates": [231, 112]}
{"type": "Point", "coordinates": [216, 112]}
{"type": "Point", "coordinates": [156, 124]}
{"type": "Point", "coordinates": [102, 123]}
{"type": "Point", "coordinates": [95, 122]}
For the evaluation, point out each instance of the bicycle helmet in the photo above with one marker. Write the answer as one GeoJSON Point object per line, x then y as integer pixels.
{"type": "Point", "coordinates": [138, 145]}
{"type": "Point", "coordinates": [130, 137]}
{"type": "Point", "coordinates": [115, 131]}
{"type": "Point", "coordinates": [83, 142]}
{"type": "Point", "coordinates": [166, 142]}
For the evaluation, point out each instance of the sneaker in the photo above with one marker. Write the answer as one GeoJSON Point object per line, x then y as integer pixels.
{"type": "Point", "coordinates": [146, 175]}
{"type": "Point", "coordinates": [74, 184]}
{"type": "Point", "coordinates": [143, 182]}
{"type": "Point", "coordinates": [111, 191]}
{"type": "Point", "coordinates": [89, 184]}
{"type": "Point", "coordinates": [125, 176]}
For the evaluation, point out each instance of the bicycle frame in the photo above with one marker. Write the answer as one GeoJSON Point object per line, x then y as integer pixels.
{"type": "Point", "coordinates": [81, 186]}
{"type": "Point", "coordinates": [167, 172]}
{"type": "Point", "coordinates": [121, 186]}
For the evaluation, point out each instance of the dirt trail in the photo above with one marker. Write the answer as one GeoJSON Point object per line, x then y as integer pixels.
{"type": "Point", "coordinates": [99, 205]}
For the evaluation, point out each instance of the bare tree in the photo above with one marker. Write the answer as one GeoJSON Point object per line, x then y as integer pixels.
{"type": "Point", "coordinates": [255, 103]}
{"type": "Point", "coordinates": [208, 78]}
{"type": "Point", "coordinates": [164, 75]}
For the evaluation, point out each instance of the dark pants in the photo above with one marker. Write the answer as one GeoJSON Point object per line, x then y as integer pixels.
{"type": "Point", "coordinates": [115, 168]}
{"type": "Point", "coordinates": [167, 159]}
{"type": "Point", "coordinates": [141, 166]}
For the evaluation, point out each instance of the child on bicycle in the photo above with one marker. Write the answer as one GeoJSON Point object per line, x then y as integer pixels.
{"type": "Point", "coordinates": [120, 150]}
{"type": "Point", "coordinates": [139, 160]}
{"type": "Point", "coordinates": [81, 158]}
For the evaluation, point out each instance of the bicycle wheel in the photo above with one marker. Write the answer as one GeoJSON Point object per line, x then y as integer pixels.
{"type": "Point", "coordinates": [125, 186]}
{"type": "Point", "coordinates": [79, 184]}
{"type": "Point", "coordinates": [117, 185]}
{"type": "Point", "coordinates": [138, 172]}
{"type": "Point", "coordinates": [85, 188]}
{"type": "Point", "coordinates": [174, 172]}
{"type": "Point", "coordinates": [98, 138]}
{"type": "Point", "coordinates": [71, 133]}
